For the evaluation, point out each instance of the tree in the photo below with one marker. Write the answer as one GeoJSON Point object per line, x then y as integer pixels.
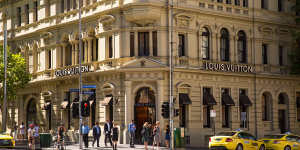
{"type": "Point", "coordinates": [17, 75]}
{"type": "Point", "coordinates": [295, 54]}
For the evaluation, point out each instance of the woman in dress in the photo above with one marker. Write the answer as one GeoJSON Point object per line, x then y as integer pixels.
{"type": "Point", "coordinates": [167, 137]}
{"type": "Point", "coordinates": [22, 130]}
{"type": "Point", "coordinates": [145, 134]}
{"type": "Point", "coordinates": [115, 135]}
{"type": "Point", "coordinates": [156, 135]}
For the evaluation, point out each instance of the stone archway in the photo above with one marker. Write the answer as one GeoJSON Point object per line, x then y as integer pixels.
{"type": "Point", "coordinates": [31, 112]}
{"type": "Point", "coordinates": [283, 112]}
{"type": "Point", "coordinates": [144, 109]}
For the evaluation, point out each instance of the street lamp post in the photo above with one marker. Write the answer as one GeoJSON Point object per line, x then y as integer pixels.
{"type": "Point", "coordinates": [5, 73]}
{"type": "Point", "coordinates": [80, 77]}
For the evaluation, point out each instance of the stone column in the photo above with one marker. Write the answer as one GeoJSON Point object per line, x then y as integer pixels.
{"type": "Point", "coordinates": [214, 50]}
{"type": "Point", "coordinates": [94, 50]}
{"type": "Point", "coordinates": [136, 44]}
{"type": "Point", "coordinates": [150, 44]}
{"type": "Point", "coordinates": [89, 55]}
{"type": "Point", "coordinates": [85, 51]}
{"type": "Point", "coordinates": [76, 52]}
{"type": "Point", "coordinates": [232, 49]}
{"type": "Point", "coordinates": [58, 55]}
{"type": "Point", "coordinates": [128, 108]}
{"type": "Point", "coordinates": [160, 99]}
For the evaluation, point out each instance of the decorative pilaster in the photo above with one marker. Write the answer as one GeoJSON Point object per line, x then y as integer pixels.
{"type": "Point", "coordinates": [128, 107]}
{"type": "Point", "coordinates": [94, 50]}
{"type": "Point", "coordinates": [76, 52]}
{"type": "Point", "coordinates": [150, 44]}
{"type": "Point", "coordinates": [89, 55]}
{"type": "Point", "coordinates": [136, 45]}
{"type": "Point", "coordinates": [85, 51]}
{"type": "Point", "coordinates": [64, 54]}
{"type": "Point", "coordinates": [73, 54]}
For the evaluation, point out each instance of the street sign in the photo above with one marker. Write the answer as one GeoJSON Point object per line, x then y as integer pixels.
{"type": "Point", "coordinates": [213, 113]}
{"type": "Point", "coordinates": [87, 92]}
{"type": "Point", "coordinates": [89, 86]}
{"type": "Point", "coordinates": [243, 116]}
{"type": "Point", "coordinates": [74, 90]}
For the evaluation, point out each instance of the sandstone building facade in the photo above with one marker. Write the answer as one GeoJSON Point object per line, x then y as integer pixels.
{"type": "Point", "coordinates": [230, 56]}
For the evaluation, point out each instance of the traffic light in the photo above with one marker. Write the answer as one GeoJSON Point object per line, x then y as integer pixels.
{"type": "Point", "coordinates": [85, 108]}
{"type": "Point", "coordinates": [176, 112]}
{"type": "Point", "coordinates": [165, 110]}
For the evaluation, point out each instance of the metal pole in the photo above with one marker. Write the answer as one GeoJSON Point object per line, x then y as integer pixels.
{"type": "Point", "coordinates": [5, 75]}
{"type": "Point", "coordinates": [80, 78]}
{"type": "Point", "coordinates": [171, 105]}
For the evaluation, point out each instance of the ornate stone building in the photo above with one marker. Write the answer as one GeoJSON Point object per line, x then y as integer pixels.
{"type": "Point", "coordinates": [230, 56]}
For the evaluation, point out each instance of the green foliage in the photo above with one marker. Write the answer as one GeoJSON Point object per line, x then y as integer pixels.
{"type": "Point", "coordinates": [17, 75]}
{"type": "Point", "coordinates": [295, 54]}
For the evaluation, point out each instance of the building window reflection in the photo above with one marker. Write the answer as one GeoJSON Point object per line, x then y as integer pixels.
{"type": "Point", "coordinates": [205, 44]}
{"type": "Point", "coordinates": [242, 47]}
{"type": "Point", "coordinates": [224, 48]}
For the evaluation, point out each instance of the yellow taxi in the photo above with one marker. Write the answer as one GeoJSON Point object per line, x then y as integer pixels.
{"type": "Point", "coordinates": [282, 142]}
{"type": "Point", "coordinates": [6, 141]}
{"type": "Point", "coordinates": [235, 140]}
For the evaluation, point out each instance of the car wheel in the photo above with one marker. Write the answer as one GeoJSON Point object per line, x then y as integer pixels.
{"type": "Point", "coordinates": [239, 147]}
{"type": "Point", "coordinates": [287, 148]}
{"type": "Point", "coordinates": [262, 147]}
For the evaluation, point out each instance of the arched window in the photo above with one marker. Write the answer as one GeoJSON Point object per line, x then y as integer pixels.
{"type": "Point", "coordinates": [205, 44]}
{"type": "Point", "coordinates": [224, 48]}
{"type": "Point", "coordinates": [266, 107]}
{"type": "Point", "coordinates": [242, 47]}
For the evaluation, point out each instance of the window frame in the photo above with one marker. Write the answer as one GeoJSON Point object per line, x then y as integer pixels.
{"type": "Point", "coordinates": [226, 110]}
{"type": "Point", "coordinates": [143, 43]}
{"type": "Point", "coordinates": [205, 49]}
{"type": "Point", "coordinates": [280, 55]}
{"type": "Point", "coordinates": [132, 44]}
{"type": "Point", "coordinates": [265, 59]}
{"type": "Point", "coordinates": [225, 45]}
{"type": "Point", "coordinates": [242, 47]}
{"type": "Point", "coordinates": [181, 45]}
{"type": "Point", "coordinates": [208, 123]}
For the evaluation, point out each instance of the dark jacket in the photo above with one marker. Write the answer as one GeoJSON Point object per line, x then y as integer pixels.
{"type": "Point", "coordinates": [95, 131]}
{"type": "Point", "coordinates": [106, 128]}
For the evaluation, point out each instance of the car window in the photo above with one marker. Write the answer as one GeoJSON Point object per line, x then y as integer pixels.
{"type": "Point", "coordinates": [291, 138]}
{"type": "Point", "coordinates": [243, 135]}
{"type": "Point", "coordinates": [273, 136]}
{"type": "Point", "coordinates": [251, 137]}
{"type": "Point", "coordinates": [226, 134]}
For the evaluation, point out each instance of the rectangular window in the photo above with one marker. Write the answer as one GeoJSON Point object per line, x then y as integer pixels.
{"type": "Point", "coordinates": [280, 5]}
{"type": "Point", "coordinates": [237, 2]}
{"type": "Point", "coordinates": [35, 11]}
{"type": "Point", "coordinates": [243, 110]}
{"type": "Point", "coordinates": [225, 110]}
{"type": "Point", "coordinates": [74, 4]}
{"type": "Point", "coordinates": [220, 1]}
{"type": "Point", "coordinates": [27, 13]}
{"type": "Point", "coordinates": [206, 110]}
{"type": "Point", "coordinates": [298, 105]}
{"type": "Point", "coordinates": [132, 44]}
{"type": "Point", "coordinates": [245, 3]}
{"type": "Point", "coordinates": [181, 45]}
{"type": "Point", "coordinates": [265, 54]}
{"type": "Point", "coordinates": [49, 59]}
{"type": "Point", "coordinates": [19, 21]}
{"type": "Point", "coordinates": [110, 47]}
{"type": "Point", "coordinates": [228, 1]}
{"type": "Point", "coordinates": [68, 5]}
{"type": "Point", "coordinates": [154, 40]}
{"type": "Point", "coordinates": [264, 4]}
{"type": "Point", "coordinates": [143, 43]}
{"type": "Point", "coordinates": [280, 55]}
{"type": "Point", "coordinates": [62, 6]}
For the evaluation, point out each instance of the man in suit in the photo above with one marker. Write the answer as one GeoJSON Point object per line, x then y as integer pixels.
{"type": "Point", "coordinates": [96, 133]}
{"type": "Point", "coordinates": [107, 129]}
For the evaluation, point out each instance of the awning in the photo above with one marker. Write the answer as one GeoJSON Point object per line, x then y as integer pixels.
{"type": "Point", "coordinates": [244, 100]}
{"type": "Point", "coordinates": [64, 105]}
{"type": "Point", "coordinates": [106, 101]}
{"type": "Point", "coordinates": [227, 100]}
{"type": "Point", "coordinates": [184, 99]}
{"type": "Point", "coordinates": [46, 106]}
{"type": "Point", "coordinates": [298, 102]}
{"type": "Point", "coordinates": [208, 99]}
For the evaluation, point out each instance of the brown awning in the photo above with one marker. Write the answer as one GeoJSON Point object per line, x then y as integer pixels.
{"type": "Point", "coordinates": [64, 105]}
{"type": "Point", "coordinates": [106, 101]}
{"type": "Point", "coordinates": [208, 99]}
{"type": "Point", "coordinates": [244, 100]}
{"type": "Point", "coordinates": [46, 106]}
{"type": "Point", "coordinates": [184, 99]}
{"type": "Point", "coordinates": [227, 100]}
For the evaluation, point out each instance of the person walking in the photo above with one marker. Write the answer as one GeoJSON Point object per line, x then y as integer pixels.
{"type": "Point", "coordinates": [156, 135]}
{"type": "Point", "coordinates": [131, 130]}
{"type": "Point", "coordinates": [60, 135]}
{"type": "Point", "coordinates": [145, 134]}
{"type": "Point", "coordinates": [107, 129]}
{"type": "Point", "coordinates": [31, 137]}
{"type": "Point", "coordinates": [96, 133]}
{"type": "Point", "coordinates": [22, 130]}
{"type": "Point", "coordinates": [36, 133]}
{"type": "Point", "coordinates": [85, 134]}
{"type": "Point", "coordinates": [115, 135]}
{"type": "Point", "coordinates": [167, 137]}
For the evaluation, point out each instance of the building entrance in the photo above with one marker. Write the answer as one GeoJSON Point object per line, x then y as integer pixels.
{"type": "Point", "coordinates": [31, 116]}
{"type": "Point", "coordinates": [282, 121]}
{"type": "Point", "coordinates": [144, 110]}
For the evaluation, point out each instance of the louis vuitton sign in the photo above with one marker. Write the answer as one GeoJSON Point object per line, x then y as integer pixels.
{"type": "Point", "coordinates": [71, 71]}
{"type": "Point", "coordinates": [228, 67]}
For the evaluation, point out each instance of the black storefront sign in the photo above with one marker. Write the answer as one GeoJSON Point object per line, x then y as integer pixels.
{"type": "Point", "coordinates": [228, 67]}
